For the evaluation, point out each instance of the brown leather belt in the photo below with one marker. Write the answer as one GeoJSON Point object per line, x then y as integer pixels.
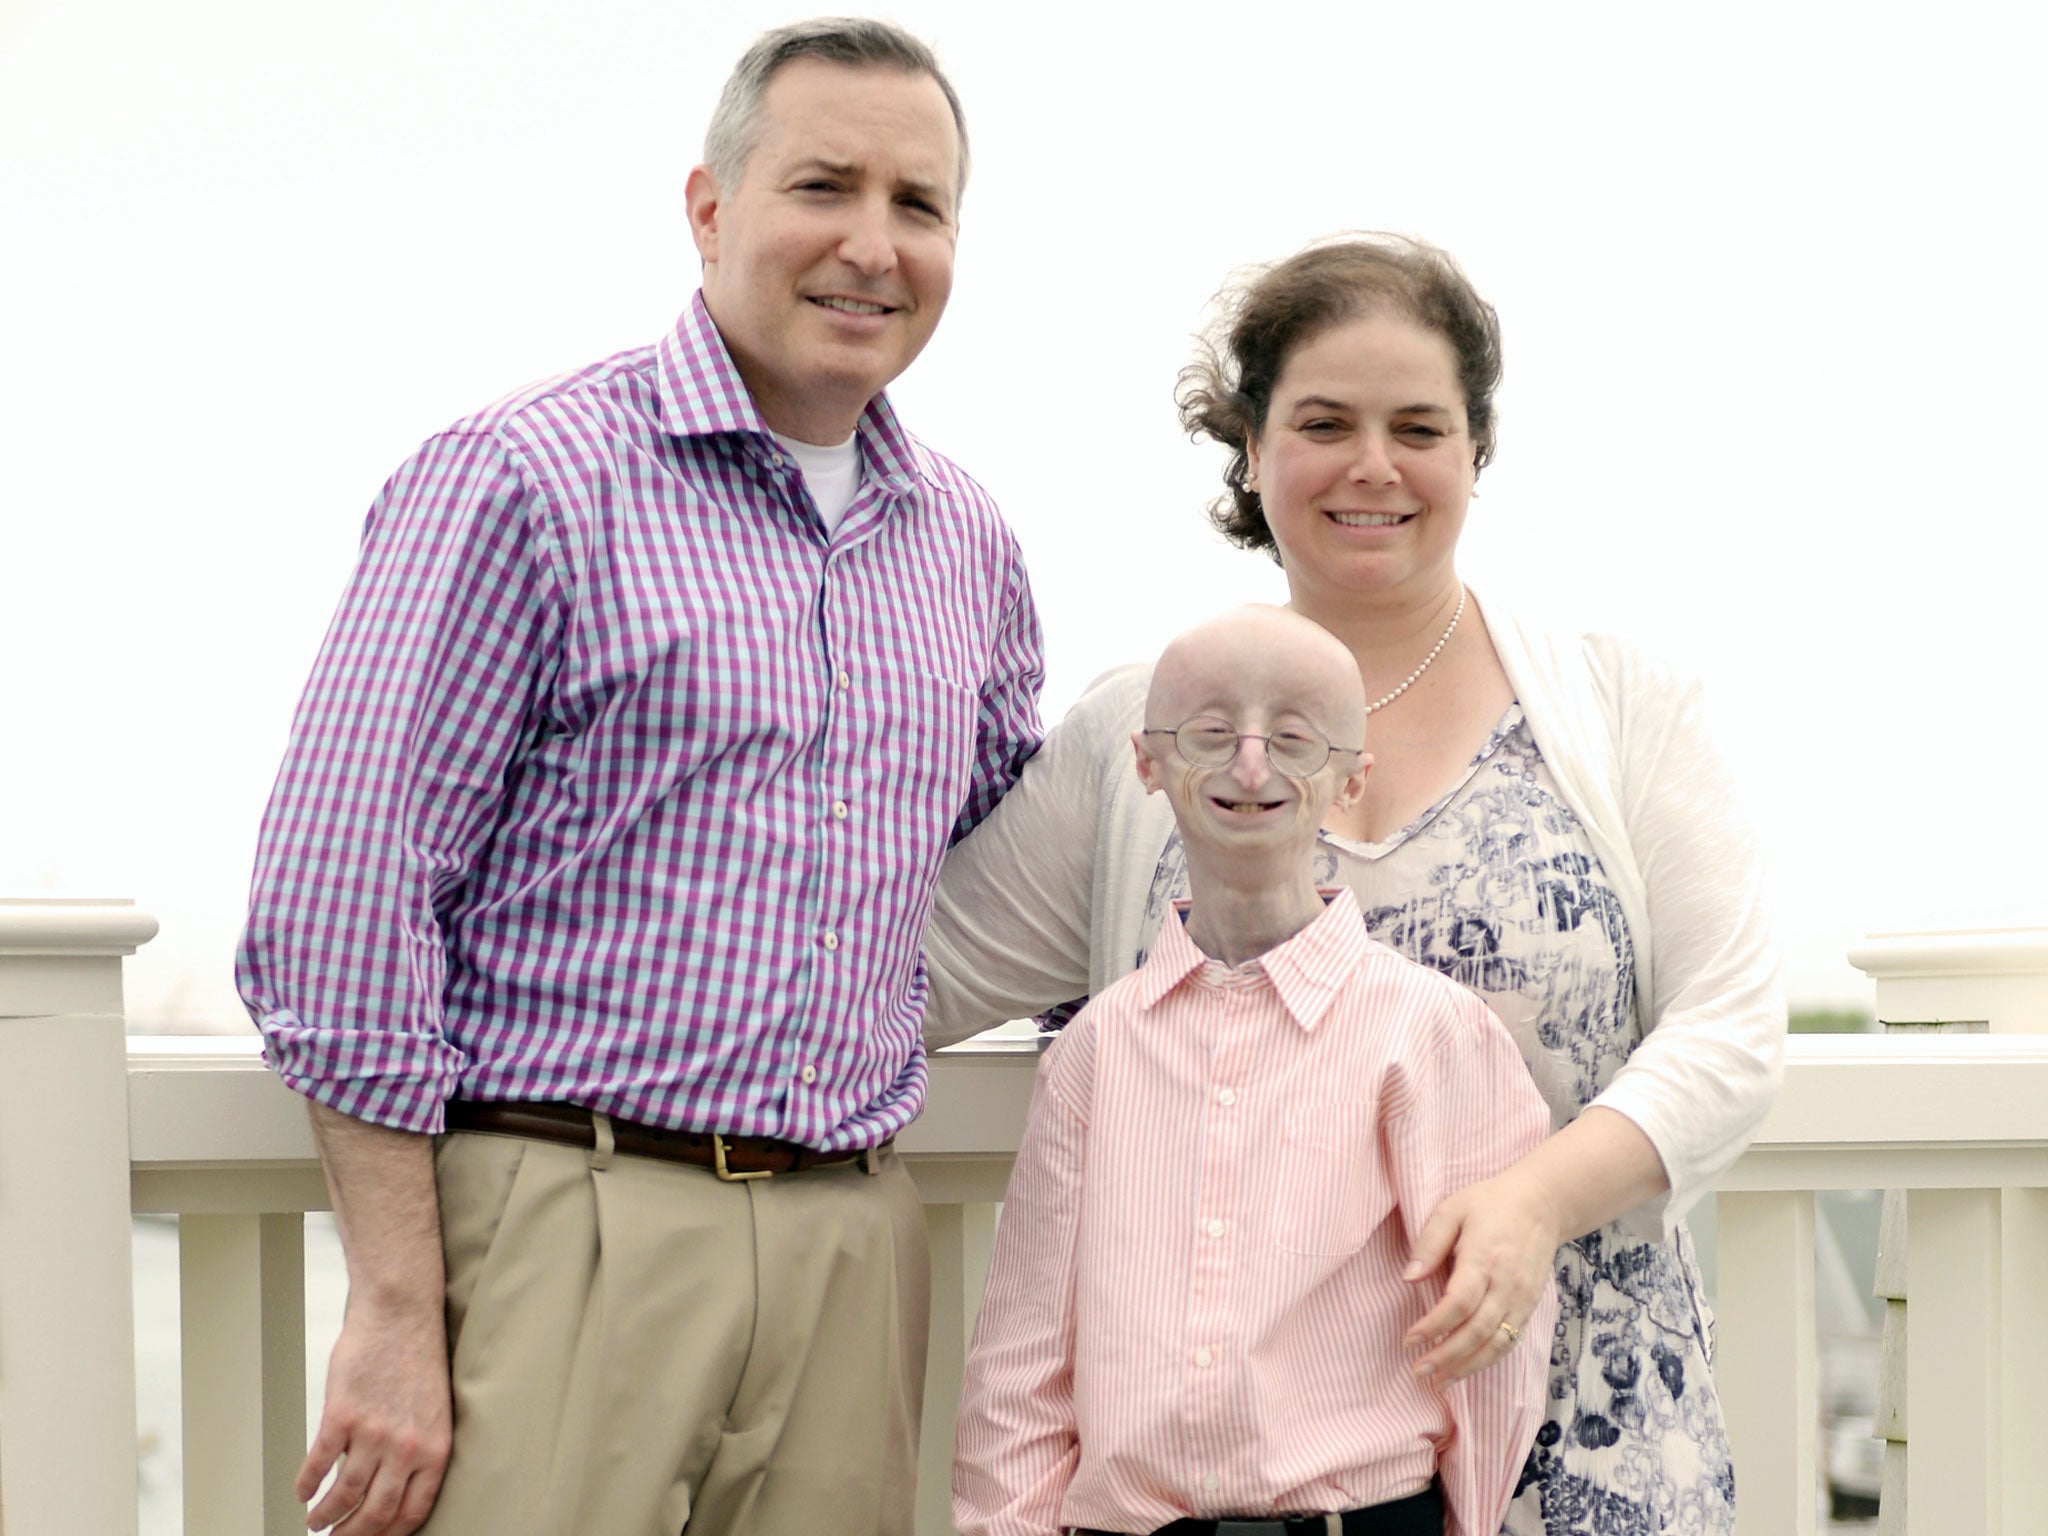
{"type": "Point", "coordinates": [730, 1157]}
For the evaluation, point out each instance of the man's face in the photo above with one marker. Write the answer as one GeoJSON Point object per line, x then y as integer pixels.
{"type": "Point", "coordinates": [827, 267]}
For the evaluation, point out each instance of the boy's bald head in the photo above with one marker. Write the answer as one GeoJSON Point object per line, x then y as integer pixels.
{"type": "Point", "coordinates": [1255, 733]}
{"type": "Point", "coordinates": [1265, 652]}
{"type": "Point", "coordinates": [1261, 690]}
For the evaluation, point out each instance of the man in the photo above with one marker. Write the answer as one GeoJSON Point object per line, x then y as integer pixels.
{"type": "Point", "coordinates": [605, 841]}
{"type": "Point", "coordinates": [1196, 1306]}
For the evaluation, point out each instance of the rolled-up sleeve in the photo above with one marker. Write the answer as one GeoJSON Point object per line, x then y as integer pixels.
{"type": "Point", "coordinates": [1016, 902]}
{"type": "Point", "coordinates": [430, 678]}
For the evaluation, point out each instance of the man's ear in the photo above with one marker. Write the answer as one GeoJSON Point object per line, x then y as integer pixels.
{"type": "Point", "coordinates": [1148, 765]}
{"type": "Point", "coordinates": [701, 201]}
{"type": "Point", "coordinates": [1352, 790]}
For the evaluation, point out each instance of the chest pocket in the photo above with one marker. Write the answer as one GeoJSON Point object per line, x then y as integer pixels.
{"type": "Point", "coordinates": [1331, 1187]}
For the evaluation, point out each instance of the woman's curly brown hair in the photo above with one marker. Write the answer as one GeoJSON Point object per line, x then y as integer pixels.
{"type": "Point", "coordinates": [1266, 312]}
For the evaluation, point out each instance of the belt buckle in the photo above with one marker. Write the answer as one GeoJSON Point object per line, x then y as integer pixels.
{"type": "Point", "coordinates": [718, 1164]}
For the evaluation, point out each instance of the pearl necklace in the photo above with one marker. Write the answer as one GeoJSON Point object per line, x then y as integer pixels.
{"type": "Point", "coordinates": [1441, 641]}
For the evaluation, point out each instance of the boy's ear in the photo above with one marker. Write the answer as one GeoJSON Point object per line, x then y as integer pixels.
{"type": "Point", "coordinates": [1352, 790]}
{"type": "Point", "coordinates": [1148, 766]}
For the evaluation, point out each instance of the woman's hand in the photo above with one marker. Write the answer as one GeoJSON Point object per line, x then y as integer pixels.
{"type": "Point", "coordinates": [1501, 1236]}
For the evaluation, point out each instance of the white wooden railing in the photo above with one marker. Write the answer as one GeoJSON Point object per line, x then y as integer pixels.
{"type": "Point", "coordinates": [197, 1127]}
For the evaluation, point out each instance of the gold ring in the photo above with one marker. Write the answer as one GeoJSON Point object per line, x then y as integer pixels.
{"type": "Point", "coordinates": [1514, 1334]}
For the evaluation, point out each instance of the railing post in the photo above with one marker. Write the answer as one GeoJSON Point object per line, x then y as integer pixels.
{"type": "Point", "coordinates": [67, 1293]}
{"type": "Point", "coordinates": [242, 1280]}
{"type": "Point", "coordinates": [1996, 978]}
{"type": "Point", "coordinates": [1766, 1359]}
{"type": "Point", "coordinates": [1990, 981]}
{"type": "Point", "coordinates": [1955, 1451]}
{"type": "Point", "coordinates": [962, 1237]}
{"type": "Point", "coordinates": [2023, 1349]}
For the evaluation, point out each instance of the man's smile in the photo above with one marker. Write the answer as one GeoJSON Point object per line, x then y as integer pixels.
{"type": "Point", "coordinates": [846, 306]}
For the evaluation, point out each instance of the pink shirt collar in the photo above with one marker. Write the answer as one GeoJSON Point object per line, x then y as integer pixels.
{"type": "Point", "coordinates": [1307, 971]}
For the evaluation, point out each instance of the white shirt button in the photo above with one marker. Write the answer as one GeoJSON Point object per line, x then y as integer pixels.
{"type": "Point", "coordinates": [839, 810]}
{"type": "Point", "coordinates": [845, 679]}
{"type": "Point", "coordinates": [1212, 1482]}
{"type": "Point", "coordinates": [831, 939]}
{"type": "Point", "coordinates": [1217, 1227]}
{"type": "Point", "coordinates": [777, 460]}
{"type": "Point", "coordinates": [1204, 1359]}
{"type": "Point", "coordinates": [809, 1074]}
{"type": "Point", "coordinates": [1226, 1096]}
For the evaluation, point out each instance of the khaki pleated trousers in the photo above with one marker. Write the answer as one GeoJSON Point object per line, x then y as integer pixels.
{"type": "Point", "coordinates": [640, 1349]}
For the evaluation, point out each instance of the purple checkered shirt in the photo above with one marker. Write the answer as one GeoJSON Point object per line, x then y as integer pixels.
{"type": "Point", "coordinates": [620, 782]}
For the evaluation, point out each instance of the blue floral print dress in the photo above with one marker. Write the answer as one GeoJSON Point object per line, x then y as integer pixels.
{"type": "Point", "coordinates": [1497, 886]}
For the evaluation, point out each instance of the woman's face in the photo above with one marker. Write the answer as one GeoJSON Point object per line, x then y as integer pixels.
{"type": "Point", "coordinates": [1364, 466]}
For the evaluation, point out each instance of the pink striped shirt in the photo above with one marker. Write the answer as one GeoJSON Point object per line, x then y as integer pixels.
{"type": "Point", "coordinates": [1196, 1304]}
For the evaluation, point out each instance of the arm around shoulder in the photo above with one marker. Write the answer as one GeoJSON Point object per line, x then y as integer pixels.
{"type": "Point", "coordinates": [1012, 921]}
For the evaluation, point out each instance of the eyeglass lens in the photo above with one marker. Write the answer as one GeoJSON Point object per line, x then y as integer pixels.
{"type": "Point", "coordinates": [1209, 742]}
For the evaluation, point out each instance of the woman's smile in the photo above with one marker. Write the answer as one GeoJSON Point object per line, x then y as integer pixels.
{"type": "Point", "coordinates": [1367, 519]}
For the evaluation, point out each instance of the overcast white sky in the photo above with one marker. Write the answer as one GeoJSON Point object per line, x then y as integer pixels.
{"type": "Point", "coordinates": [1769, 275]}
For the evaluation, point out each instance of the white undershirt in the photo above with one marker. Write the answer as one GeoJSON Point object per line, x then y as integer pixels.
{"type": "Point", "coordinates": [832, 471]}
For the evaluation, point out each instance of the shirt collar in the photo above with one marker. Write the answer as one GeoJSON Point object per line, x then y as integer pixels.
{"type": "Point", "coordinates": [702, 392]}
{"type": "Point", "coordinates": [1173, 959]}
{"type": "Point", "coordinates": [1307, 971]}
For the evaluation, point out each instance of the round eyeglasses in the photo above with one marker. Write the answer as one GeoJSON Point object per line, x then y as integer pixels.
{"type": "Point", "coordinates": [1299, 751]}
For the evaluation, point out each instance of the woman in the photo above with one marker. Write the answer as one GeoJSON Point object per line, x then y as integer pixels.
{"type": "Point", "coordinates": [1545, 820]}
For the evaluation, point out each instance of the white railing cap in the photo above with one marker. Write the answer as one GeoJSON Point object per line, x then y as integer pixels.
{"type": "Point", "coordinates": [47, 925]}
{"type": "Point", "coordinates": [1876, 1090]}
{"type": "Point", "coordinates": [1961, 952]}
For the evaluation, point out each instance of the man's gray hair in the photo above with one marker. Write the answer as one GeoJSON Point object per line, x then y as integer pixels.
{"type": "Point", "coordinates": [852, 40]}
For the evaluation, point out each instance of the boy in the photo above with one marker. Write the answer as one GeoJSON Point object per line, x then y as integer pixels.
{"type": "Point", "coordinates": [1194, 1314]}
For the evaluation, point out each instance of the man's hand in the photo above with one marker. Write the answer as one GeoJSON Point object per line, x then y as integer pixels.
{"type": "Point", "coordinates": [387, 1420]}
{"type": "Point", "coordinates": [1502, 1238]}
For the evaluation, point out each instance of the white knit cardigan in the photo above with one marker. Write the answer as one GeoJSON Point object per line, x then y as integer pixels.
{"type": "Point", "coordinates": [1045, 900]}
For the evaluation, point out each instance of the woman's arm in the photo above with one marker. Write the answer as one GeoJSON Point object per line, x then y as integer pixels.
{"type": "Point", "coordinates": [1012, 922]}
{"type": "Point", "coordinates": [1505, 1232]}
{"type": "Point", "coordinates": [1711, 1060]}
{"type": "Point", "coordinates": [1689, 1098]}
{"type": "Point", "coordinates": [1459, 1115]}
